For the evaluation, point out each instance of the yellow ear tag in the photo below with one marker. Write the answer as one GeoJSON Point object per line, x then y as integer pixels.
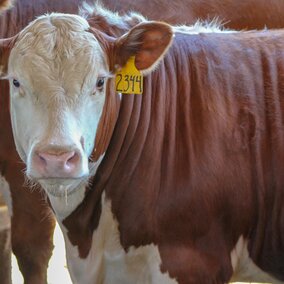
{"type": "Point", "coordinates": [129, 80]}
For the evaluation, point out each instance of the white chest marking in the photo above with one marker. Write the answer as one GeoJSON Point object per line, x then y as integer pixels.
{"type": "Point", "coordinates": [5, 191]}
{"type": "Point", "coordinates": [108, 263]}
{"type": "Point", "coordinates": [244, 268]}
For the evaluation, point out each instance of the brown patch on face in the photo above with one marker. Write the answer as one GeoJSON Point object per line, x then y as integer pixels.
{"type": "Point", "coordinates": [112, 101]}
{"type": "Point", "coordinates": [107, 121]}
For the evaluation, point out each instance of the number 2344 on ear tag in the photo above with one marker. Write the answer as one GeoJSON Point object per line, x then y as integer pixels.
{"type": "Point", "coordinates": [129, 80]}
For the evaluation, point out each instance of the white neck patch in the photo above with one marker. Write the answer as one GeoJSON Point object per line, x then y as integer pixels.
{"type": "Point", "coordinates": [244, 268]}
{"type": "Point", "coordinates": [64, 205]}
{"type": "Point", "coordinates": [108, 262]}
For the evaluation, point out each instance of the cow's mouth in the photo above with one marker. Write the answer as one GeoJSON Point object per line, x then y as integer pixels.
{"type": "Point", "coordinates": [61, 187]}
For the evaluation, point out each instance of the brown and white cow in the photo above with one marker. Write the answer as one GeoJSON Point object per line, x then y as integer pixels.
{"type": "Point", "coordinates": [182, 184]}
{"type": "Point", "coordinates": [33, 248]}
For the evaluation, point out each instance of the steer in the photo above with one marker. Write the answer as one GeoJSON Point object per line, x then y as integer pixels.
{"type": "Point", "coordinates": [33, 247]}
{"type": "Point", "coordinates": [182, 184]}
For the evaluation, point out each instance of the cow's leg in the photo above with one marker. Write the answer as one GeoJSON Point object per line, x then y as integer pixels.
{"type": "Point", "coordinates": [5, 244]}
{"type": "Point", "coordinates": [32, 224]}
{"type": "Point", "coordinates": [32, 237]}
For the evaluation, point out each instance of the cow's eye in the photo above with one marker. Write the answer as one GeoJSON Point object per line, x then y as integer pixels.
{"type": "Point", "coordinates": [100, 83]}
{"type": "Point", "coordinates": [16, 83]}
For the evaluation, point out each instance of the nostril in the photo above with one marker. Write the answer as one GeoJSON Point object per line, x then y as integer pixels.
{"type": "Point", "coordinates": [58, 158]}
{"type": "Point", "coordinates": [73, 159]}
{"type": "Point", "coordinates": [57, 162]}
{"type": "Point", "coordinates": [41, 158]}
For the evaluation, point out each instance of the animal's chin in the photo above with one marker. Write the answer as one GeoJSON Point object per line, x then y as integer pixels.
{"type": "Point", "coordinates": [61, 187]}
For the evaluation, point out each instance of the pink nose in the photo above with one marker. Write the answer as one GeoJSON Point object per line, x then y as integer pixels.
{"type": "Point", "coordinates": [56, 164]}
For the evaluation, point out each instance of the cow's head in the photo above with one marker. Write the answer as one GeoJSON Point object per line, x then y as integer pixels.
{"type": "Point", "coordinates": [58, 68]}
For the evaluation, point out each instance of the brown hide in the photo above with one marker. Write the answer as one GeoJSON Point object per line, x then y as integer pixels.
{"type": "Point", "coordinates": [197, 160]}
{"type": "Point", "coordinates": [250, 14]}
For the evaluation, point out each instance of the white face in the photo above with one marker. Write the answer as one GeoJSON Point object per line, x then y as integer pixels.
{"type": "Point", "coordinates": [57, 88]}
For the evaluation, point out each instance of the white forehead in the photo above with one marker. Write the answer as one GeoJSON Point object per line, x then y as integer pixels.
{"type": "Point", "coordinates": [57, 48]}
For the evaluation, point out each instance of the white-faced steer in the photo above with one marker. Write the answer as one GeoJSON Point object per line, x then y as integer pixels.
{"type": "Point", "coordinates": [182, 184]}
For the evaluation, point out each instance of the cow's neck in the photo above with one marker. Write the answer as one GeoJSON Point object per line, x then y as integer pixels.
{"type": "Point", "coordinates": [64, 205]}
{"type": "Point", "coordinates": [75, 204]}
{"type": "Point", "coordinates": [116, 169]}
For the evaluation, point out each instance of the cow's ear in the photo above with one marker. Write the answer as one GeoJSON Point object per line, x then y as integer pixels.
{"type": "Point", "coordinates": [5, 48]}
{"type": "Point", "coordinates": [147, 41]}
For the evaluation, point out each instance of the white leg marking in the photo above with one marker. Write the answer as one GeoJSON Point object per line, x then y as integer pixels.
{"type": "Point", "coordinates": [244, 268]}
{"type": "Point", "coordinates": [107, 261]}
{"type": "Point", "coordinates": [5, 191]}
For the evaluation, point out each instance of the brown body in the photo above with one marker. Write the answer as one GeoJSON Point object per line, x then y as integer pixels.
{"type": "Point", "coordinates": [196, 162]}
{"type": "Point", "coordinates": [33, 246]}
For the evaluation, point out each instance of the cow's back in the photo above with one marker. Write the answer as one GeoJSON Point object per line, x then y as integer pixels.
{"type": "Point", "coordinates": [252, 14]}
